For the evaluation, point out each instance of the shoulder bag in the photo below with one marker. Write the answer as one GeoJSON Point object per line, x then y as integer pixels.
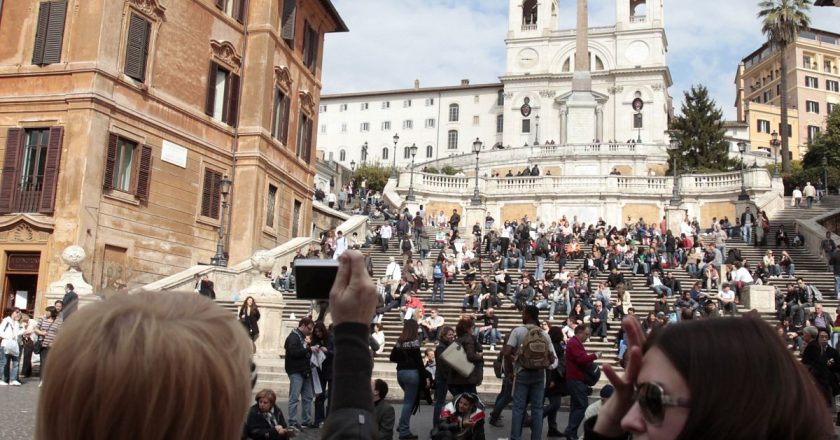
{"type": "Point", "coordinates": [456, 357]}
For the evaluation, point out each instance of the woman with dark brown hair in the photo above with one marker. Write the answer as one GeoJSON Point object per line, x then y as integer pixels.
{"type": "Point", "coordinates": [459, 384]}
{"type": "Point", "coordinates": [406, 354]}
{"type": "Point", "coordinates": [728, 378]}
{"type": "Point", "coordinates": [249, 314]}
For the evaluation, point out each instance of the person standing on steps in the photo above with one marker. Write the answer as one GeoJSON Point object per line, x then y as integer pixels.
{"type": "Point", "coordinates": [577, 361]}
{"type": "Point", "coordinates": [810, 193]}
{"type": "Point", "coordinates": [747, 222]}
{"type": "Point", "coordinates": [454, 220]}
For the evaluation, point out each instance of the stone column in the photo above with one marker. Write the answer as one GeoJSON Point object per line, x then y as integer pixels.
{"type": "Point", "coordinates": [599, 123]}
{"type": "Point", "coordinates": [564, 114]}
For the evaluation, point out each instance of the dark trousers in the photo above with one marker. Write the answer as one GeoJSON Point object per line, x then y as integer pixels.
{"type": "Point", "coordinates": [26, 362]}
{"type": "Point", "coordinates": [440, 400]}
{"type": "Point", "coordinates": [550, 410]}
{"type": "Point", "coordinates": [322, 409]}
{"type": "Point", "coordinates": [44, 352]}
{"type": "Point", "coordinates": [579, 393]}
{"type": "Point", "coordinates": [503, 399]}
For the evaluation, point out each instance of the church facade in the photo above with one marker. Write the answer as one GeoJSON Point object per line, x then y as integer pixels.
{"type": "Point", "coordinates": [629, 82]}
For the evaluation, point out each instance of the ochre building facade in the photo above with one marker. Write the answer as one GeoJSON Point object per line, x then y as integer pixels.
{"type": "Point", "coordinates": [119, 120]}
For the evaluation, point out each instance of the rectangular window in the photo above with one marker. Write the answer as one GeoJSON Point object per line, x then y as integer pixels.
{"type": "Point", "coordinates": [832, 85]}
{"type": "Point", "coordinates": [831, 107]}
{"type": "Point", "coordinates": [304, 141]}
{"type": "Point", "coordinates": [123, 165]}
{"type": "Point", "coordinates": [763, 126]}
{"type": "Point", "coordinates": [638, 120]}
{"type": "Point", "coordinates": [789, 130]}
{"type": "Point", "coordinates": [311, 42]}
{"type": "Point", "coordinates": [287, 31]}
{"type": "Point", "coordinates": [342, 107]}
{"type": "Point", "coordinates": [270, 203]}
{"type": "Point", "coordinates": [827, 66]}
{"type": "Point", "coordinates": [500, 98]}
{"type": "Point", "coordinates": [813, 131]}
{"type": "Point", "coordinates": [406, 103]}
{"type": "Point", "coordinates": [365, 106]}
{"type": "Point", "coordinates": [812, 107]}
{"type": "Point", "coordinates": [30, 170]}
{"type": "Point", "coordinates": [476, 120]}
{"type": "Point", "coordinates": [430, 123]}
{"type": "Point", "coordinates": [386, 105]}
{"type": "Point", "coordinates": [365, 127]}
{"type": "Point", "coordinates": [386, 125]}
{"type": "Point", "coordinates": [49, 34]}
{"type": "Point", "coordinates": [344, 127]}
{"type": "Point", "coordinates": [526, 125]}
{"type": "Point", "coordinates": [408, 124]}
{"type": "Point", "coordinates": [768, 95]}
{"type": "Point", "coordinates": [452, 140]}
{"type": "Point", "coordinates": [430, 102]}
{"type": "Point", "coordinates": [500, 123]}
{"type": "Point", "coordinates": [234, 8]}
{"type": "Point", "coordinates": [137, 47]}
{"type": "Point", "coordinates": [211, 194]}
{"type": "Point", "coordinates": [812, 82]}
{"type": "Point", "coordinates": [222, 95]}
{"type": "Point", "coordinates": [296, 219]}
{"type": "Point", "coordinates": [323, 128]}
{"type": "Point", "coordinates": [280, 117]}
{"type": "Point", "coordinates": [128, 167]}
{"type": "Point", "coordinates": [476, 99]}
{"type": "Point", "coordinates": [323, 109]}
{"type": "Point", "coordinates": [806, 61]}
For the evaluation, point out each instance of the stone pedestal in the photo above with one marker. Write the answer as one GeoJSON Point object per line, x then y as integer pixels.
{"type": "Point", "coordinates": [272, 335]}
{"type": "Point", "coordinates": [674, 215]}
{"type": "Point", "coordinates": [741, 206]}
{"type": "Point", "coordinates": [473, 215]}
{"type": "Point", "coordinates": [73, 256]}
{"type": "Point", "coordinates": [760, 298]}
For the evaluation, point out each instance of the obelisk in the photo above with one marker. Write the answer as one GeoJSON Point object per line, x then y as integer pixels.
{"type": "Point", "coordinates": [582, 123]}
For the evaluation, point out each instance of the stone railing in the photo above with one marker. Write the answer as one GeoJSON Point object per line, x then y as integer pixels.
{"type": "Point", "coordinates": [230, 281]}
{"type": "Point", "coordinates": [814, 229]}
{"type": "Point", "coordinates": [544, 151]}
{"type": "Point", "coordinates": [754, 178]}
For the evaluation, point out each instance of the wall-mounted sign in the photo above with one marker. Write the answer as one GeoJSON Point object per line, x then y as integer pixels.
{"type": "Point", "coordinates": [174, 154]}
{"type": "Point", "coordinates": [638, 104]}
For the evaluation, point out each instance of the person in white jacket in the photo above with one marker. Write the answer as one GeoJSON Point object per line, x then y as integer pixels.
{"type": "Point", "coordinates": [10, 350]}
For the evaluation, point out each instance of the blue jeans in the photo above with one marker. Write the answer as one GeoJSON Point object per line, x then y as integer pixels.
{"type": "Point", "coordinates": [502, 399]}
{"type": "Point", "coordinates": [440, 400]}
{"type": "Point", "coordinates": [530, 388]}
{"type": "Point", "coordinates": [836, 286]}
{"type": "Point", "coordinates": [438, 288]}
{"type": "Point", "coordinates": [659, 289]}
{"type": "Point", "coordinates": [13, 371]}
{"type": "Point", "coordinates": [540, 266]}
{"type": "Point", "coordinates": [300, 388]}
{"type": "Point", "coordinates": [577, 407]}
{"type": "Point", "coordinates": [791, 271]}
{"type": "Point", "coordinates": [746, 233]}
{"type": "Point", "coordinates": [409, 381]}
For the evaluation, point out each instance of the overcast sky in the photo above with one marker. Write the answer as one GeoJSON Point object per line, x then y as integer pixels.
{"type": "Point", "coordinates": [393, 42]}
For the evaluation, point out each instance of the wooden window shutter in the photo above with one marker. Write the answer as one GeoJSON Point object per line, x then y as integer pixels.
{"type": "Point", "coordinates": [288, 30]}
{"type": "Point", "coordinates": [14, 142]}
{"type": "Point", "coordinates": [137, 47]}
{"type": "Point", "coordinates": [55, 32]}
{"type": "Point", "coordinates": [307, 139]}
{"type": "Point", "coordinates": [220, 4]}
{"type": "Point", "coordinates": [41, 33]}
{"type": "Point", "coordinates": [144, 173]}
{"type": "Point", "coordinates": [210, 196]}
{"type": "Point", "coordinates": [232, 101]}
{"type": "Point", "coordinates": [211, 89]}
{"type": "Point", "coordinates": [287, 107]}
{"type": "Point", "coordinates": [110, 162]}
{"type": "Point", "coordinates": [239, 9]}
{"type": "Point", "coordinates": [50, 182]}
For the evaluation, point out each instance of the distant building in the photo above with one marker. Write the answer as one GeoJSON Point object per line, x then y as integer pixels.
{"type": "Point", "coordinates": [827, 3]}
{"type": "Point", "coordinates": [121, 118]}
{"type": "Point", "coordinates": [814, 89]}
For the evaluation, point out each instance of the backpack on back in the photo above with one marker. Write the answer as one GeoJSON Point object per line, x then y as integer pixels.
{"type": "Point", "coordinates": [535, 351]}
{"type": "Point", "coordinates": [437, 273]}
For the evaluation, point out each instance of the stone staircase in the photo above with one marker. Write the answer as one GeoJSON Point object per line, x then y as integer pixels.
{"type": "Point", "coordinates": [808, 263]}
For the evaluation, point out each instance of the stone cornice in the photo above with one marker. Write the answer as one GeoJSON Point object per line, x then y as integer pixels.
{"type": "Point", "coordinates": [225, 52]}
{"type": "Point", "coordinates": [152, 8]}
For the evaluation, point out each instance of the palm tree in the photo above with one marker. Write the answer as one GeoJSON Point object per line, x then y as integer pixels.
{"type": "Point", "coordinates": [782, 22]}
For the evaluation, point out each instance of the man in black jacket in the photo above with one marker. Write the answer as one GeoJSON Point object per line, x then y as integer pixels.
{"type": "Point", "coordinates": [385, 414]}
{"type": "Point", "coordinates": [454, 220]}
{"type": "Point", "coordinates": [298, 370]}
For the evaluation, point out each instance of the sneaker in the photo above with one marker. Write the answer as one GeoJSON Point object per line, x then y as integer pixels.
{"type": "Point", "coordinates": [14, 383]}
{"type": "Point", "coordinates": [2, 384]}
{"type": "Point", "coordinates": [497, 423]}
{"type": "Point", "coordinates": [553, 432]}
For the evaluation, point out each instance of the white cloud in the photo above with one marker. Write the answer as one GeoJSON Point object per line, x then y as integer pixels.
{"type": "Point", "coordinates": [440, 42]}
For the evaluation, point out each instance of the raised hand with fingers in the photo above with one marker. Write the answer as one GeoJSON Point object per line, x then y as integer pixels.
{"type": "Point", "coordinates": [610, 415]}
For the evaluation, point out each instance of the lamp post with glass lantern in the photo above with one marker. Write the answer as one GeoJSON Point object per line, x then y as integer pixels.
{"type": "Point", "coordinates": [825, 174]}
{"type": "Point", "coordinates": [394, 167]}
{"type": "Point", "coordinates": [224, 189]}
{"type": "Point", "coordinates": [775, 143]}
{"type": "Point", "coordinates": [364, 153]}
{"type": "Point", "coordinates": [410, 196]}
{"type": "Point", "coordinates": [476, 198]}
{"type": "Point", "coordinates": [742, 148]}
{"type": "Point", "coordinates": [674, 148]}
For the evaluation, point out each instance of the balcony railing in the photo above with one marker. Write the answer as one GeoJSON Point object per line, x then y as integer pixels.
{"type": "Point", "coordinates": [638, 19]}
{"type": "Point", "coordinates": [27, 197]}
{"type": "Point", "coordinates": [529, 27]}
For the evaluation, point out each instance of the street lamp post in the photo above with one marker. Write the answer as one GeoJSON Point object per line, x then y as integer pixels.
{"type": "Point", "coordinates": [674, 147]}
{"type": "Point", "coordinates": [219, 259]}
{"type": "Point", "coordinates": [410, 196]}
{"type": "Point", "coordinates": [537, 131]}
{"type": "Point", "coordinates": [394, 167]}
{"type": "Point", "coordinates": [364, 153]}
{"type": "Point", "coordinates": [775, 142]}
{"type": "Point", "coordinates": [825, 174]}
{"type": "Point", "coordinates": [476, 198]}
{"type": "Point", "coordinates": [742, 148]}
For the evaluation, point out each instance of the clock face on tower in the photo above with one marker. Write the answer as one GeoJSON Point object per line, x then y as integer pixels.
{"type": "Point", "coordinates": [528, 58]}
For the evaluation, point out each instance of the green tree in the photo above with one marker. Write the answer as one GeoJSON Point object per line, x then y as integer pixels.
{"type": "Point", "coordinates": [782, 20]}
{"type": "Point", "coordinates": [826, 144]}
{"type": "Point", "coordinates": [376, 175]}
{"type": "Point", "coordinates": [699, 128]}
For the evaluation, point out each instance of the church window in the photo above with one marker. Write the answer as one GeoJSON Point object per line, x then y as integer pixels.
{"type": "Point", "coordinates": [385, 153]}
{"type": "Point", "coordinates": [638, 11]}
{"type": "Point", "coordinates": [429, 151]}
{"type": "Point", "coordinates": [342, 155]}
{"type": "Point", "coordinates": [529, 14]}
{"type": "Point", "coordinates": [638, 121]}
{"type": "Point", "coordinates": [454, 111]}
{"type": "Point", "coordinates": [526, 125]}
{"type": "Point", "coordinates": [500, 98]}
{"type": "Point", "coordinates": [500, 123]}
{"type": "Point", "coordinates": [599, 63]}
{"type": "Point", "coordinates": [452, 139]}
{"type": "Point", "coordinates": [567, 66]}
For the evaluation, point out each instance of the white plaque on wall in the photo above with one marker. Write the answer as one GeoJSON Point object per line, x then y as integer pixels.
{"type": "Point", "coordinates": [174, 154]}
{"type": "Point", "coordinates": [21, 299]}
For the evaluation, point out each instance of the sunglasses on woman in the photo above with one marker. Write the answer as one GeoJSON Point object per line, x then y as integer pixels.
{"type": "Point", "coordinates": [653, 401]}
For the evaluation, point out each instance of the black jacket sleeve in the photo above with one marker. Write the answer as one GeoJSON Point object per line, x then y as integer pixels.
{"type": "Point", "coordinates": [351, 406]}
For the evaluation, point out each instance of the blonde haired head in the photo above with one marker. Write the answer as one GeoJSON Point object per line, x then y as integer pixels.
{"type": "Point", "coordinates": [147, 366]}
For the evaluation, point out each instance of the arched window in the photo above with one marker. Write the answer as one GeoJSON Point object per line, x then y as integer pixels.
{"type": "Point", "coordinates": [529, 12]}
{"type": "Point", "coordinates": [385, 153]}
{"type": "Point", "coordinates": [638, 10]}
{"type": "Point", "coordinates": [342, 156]}
{"type": "Point", "coordinates": [429, 151]}
{"type": "Point", "coordinates": [407, 153]}
{"type": "Point", "coordinates": [599, 63]}
{"type": "Point", "coordinates": [567, 66]}
{"type": "Point", "coordinates": [452, 139]}
{"type": "Point", "coordinates": [454, 112]}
